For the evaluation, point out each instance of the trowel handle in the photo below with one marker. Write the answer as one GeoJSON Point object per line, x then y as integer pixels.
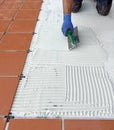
{"type": "Point", "coordinates": [70, 36]}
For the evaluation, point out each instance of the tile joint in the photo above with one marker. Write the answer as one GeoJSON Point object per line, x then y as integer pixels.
{"type": "Point", "coordinates": [28, 51]}
{"type": "Point", "coordinates": [9, 117]}
{"type": "Point", "coordinates": [21, 77]}
{"type": "Point", "coordinates": [62, 124]}
{"type": "Point", "coordinates": [34, 33]}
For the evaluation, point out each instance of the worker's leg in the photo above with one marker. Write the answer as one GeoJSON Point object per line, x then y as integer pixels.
{"type": "Point", "coordinates": [103, 6]}
{"type": "Point", "coordinates": [76, 5]}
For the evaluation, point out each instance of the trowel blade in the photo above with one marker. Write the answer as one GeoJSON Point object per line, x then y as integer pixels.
{"type": "Point", "coordinates": [76, 39]}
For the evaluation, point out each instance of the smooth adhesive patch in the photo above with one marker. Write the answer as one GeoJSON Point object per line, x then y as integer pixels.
{"type": "Point", "coordinates": [51, 38]}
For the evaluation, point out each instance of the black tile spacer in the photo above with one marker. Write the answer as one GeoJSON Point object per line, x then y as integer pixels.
{"type": "Point", "coordinates": [9, 117]}
{"type": "Point", "coordinates": [34, 33]}
{"type": "Point", "coordinates": [21, 77]}
{"type": "Point", "coordinates": [28, 51]}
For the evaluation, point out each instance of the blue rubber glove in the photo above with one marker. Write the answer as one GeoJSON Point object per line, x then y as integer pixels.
{"type": "Point", "coordinates": [67, 24]}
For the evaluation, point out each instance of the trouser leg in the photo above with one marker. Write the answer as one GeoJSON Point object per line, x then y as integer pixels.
{"type": "Point", "coordinates": [76, 6]}
{"type": "Point", "coordinates": [103, 6]}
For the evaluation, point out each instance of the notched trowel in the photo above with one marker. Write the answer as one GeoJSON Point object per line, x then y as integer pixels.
{"type": "Point", "coordinates": [73, 38]}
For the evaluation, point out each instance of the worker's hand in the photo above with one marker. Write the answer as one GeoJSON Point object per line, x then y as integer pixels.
{"type": "Point", "coordinates": [67, 24]}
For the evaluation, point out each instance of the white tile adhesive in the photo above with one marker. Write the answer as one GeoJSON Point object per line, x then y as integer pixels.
{"type": "Point", "coordinates": [63, 83]}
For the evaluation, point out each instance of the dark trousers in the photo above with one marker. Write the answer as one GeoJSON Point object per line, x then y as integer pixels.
{"type": "Point", "coordinates": [102, 1]}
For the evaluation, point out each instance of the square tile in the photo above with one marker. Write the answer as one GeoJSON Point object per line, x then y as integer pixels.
{"type": "Point", "coordinates": [32, 5]}
{"type": "Point", "coordinates": [22, 26]}
{"type": "Point", "coordinates": [11, 63]}
{"type": "Point", "coordinates": [1, 1]}
{"type": "Point", "coordinates": [1, 34]}
{"type": "Point", "coordinates": [6, 14]}
{"type": "Point", "coordinates": [2, 123]}
{"type": "Point", "coordinates": [4, 25]}
{"type": "Point", "coordinates": [35, 124]}
{"type": "Point", "coordinates": [89, 125]}
{"type": "Point", "coordinates": [10, 5]}
{"type": "Point", "coordinates": [8, 88]}
{"type": "Point", "coordinates": [14, 1]}
{"type": "Point", "coordinates": [27, 14]}
{"type": "Point", "coordinates": [16, 41]}
{"type": "Point", "coordinates": [33, 0]}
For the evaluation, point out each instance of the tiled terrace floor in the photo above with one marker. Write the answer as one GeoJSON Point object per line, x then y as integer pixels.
{"type": "Point", "coordinates": [17, 23]}
{"type": "Point", "coordinates": [55, 124]}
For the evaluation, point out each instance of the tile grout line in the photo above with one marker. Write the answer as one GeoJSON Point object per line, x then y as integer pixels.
{"type": "Point", "coordinates": [12, 19]}
{"type": "Point", "coordinates": [21, 75]}
{"type": "Point", "coordinates": [62, 124]}
{"type": "Point", "coordinates": [6, 126]}
{"type": "Point", "coordinates": [7, 121]}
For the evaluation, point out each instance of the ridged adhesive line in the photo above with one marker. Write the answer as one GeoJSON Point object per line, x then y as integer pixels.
{"type": "Point", "coordinates": [81, 93]}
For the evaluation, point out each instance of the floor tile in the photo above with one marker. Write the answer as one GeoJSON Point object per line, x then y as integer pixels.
{"type": "Point", "coordinates": [6, 14]}
{"type": "Point", "coordinates": [10, 5]}
{"type": "Point", "coordinates": [3, 25]}
{"type": "Point", "coordinates": [1, 35]}
{"type": "Point", "coordinates": [35, 124]}
{"type": "Point", "coordinates": [2, 123]}
{"type": "Point", "coordinates": [1, 1]}
{"type": "Point", "coordinates": [32, 5]}
{"type": "Point", "coordinates": [33, 0]}
{"type": "Point", "coordinates": [8, 88]}
{"type": "Point", "coordinates": [15, 41]}
{"type": "Point", "coordinates": [14, 1]}
{"type": "Point", "coordinates": [11, 63]}
{"type": "Point", "coordinates": [27, 14]}
{"type": "Point", "coordinates": [89, 125]}
{"type": "Point", "coordinates": [22, 26]}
